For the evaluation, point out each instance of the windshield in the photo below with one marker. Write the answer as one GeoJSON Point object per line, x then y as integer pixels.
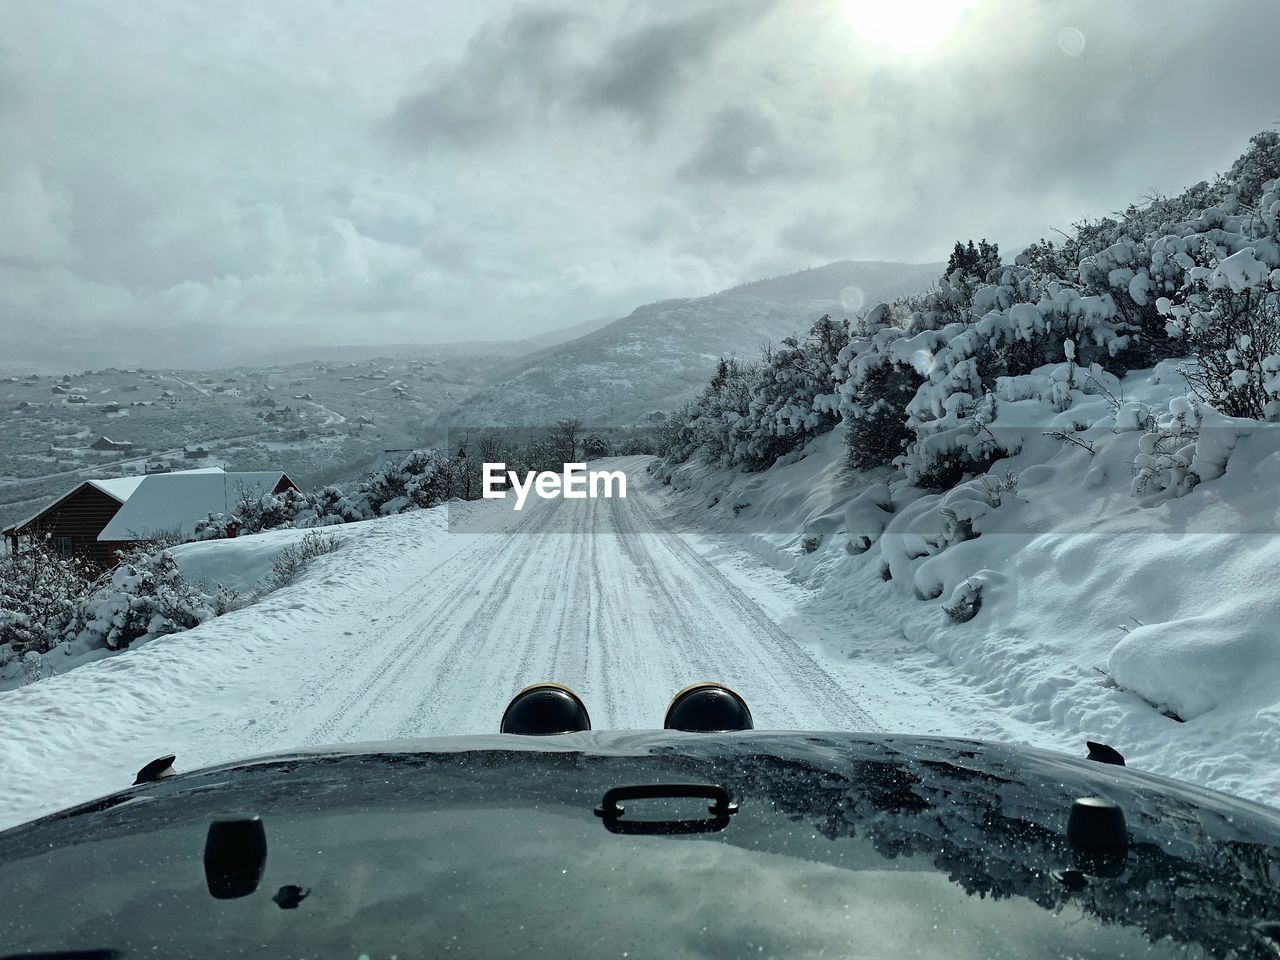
{"type": "Point", "coordinates": [871, 365]}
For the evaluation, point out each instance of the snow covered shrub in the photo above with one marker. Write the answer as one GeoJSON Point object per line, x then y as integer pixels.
{"type": "Point", "coordinates": [965, 602]}
{"type": "Point", "coordinates": [317, 544]}
{"type": "Point", "coordinates": [227, 599]}
{"type": "Point", "coordinates": [968, 268]}
{"type": "Point", "coordinates": [594, 447]}
{"type": "Point", "coordinates": [875, 387]}
{"type": "Point", "coordinates": [284, 569]}
{"type": "Point", "coordinates": [271, 511]}
{"type": "Point", "coordinates": [1230, 322]}
{"type": "Point", "coordinates": [330, 505]}
{"type": "Point", "coordinates": [290, 561]}
{"type": "Point", "coordinates": [1181, 449]}
{"type": "Point", "coordinates": [214, 526]}
{"type": "Point", "coordinates": [422, 479]}
{"type": "Point", "coordinates": [794, 397]}
{"type": "Point", "coordinates": [874, 407]}
{"type": "Point", "coordinates": [144, 597]}
{"type": "Point", "coordinates": [39, 591]}
{"type": "Point", "coordinates": [716, 426]}
{"type": "Point", "coordinates": [867, 515]}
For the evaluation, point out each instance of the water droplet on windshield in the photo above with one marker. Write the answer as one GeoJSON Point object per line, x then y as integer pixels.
{"type": "Point", "coordinates": [1071, 41]}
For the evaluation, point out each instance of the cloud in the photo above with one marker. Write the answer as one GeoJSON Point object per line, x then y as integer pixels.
{"type": "Point", "coordinates": [547, 66]}
{"type": "Point", "coordinates": [644, 70]}
{"type": "Point", "coordinates": [329, 170]}
{"type": "Point", "coordinates": [512, 74]}
{"type": "Point", "coordinates": [743, 143]}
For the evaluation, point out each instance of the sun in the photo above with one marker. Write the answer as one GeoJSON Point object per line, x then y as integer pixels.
{"type": "Point", "coordinates": [909, 26]}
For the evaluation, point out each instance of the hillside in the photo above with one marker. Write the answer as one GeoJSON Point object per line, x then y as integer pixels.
{"type": "Point", "coordinates": [662, 353]}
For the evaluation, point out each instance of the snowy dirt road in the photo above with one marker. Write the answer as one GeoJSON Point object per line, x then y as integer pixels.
{"type": "Point", "coordinates": [412, 631]}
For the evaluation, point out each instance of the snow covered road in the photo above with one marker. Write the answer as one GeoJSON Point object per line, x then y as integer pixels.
{"type": "Point", "coordinates": [410, 631]}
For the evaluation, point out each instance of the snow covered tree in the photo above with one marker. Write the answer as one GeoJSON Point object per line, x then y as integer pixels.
{"type": "Point", "coordinates": [969, 267]}
{"type": "Point", "coordinates": [594, 447]}
{"type": "Point", "coordinates": [794, 397]}
{"type": "Point", "coordinates": [563, 441]}
{"type": "Point", "coordinates": [39, 590]}
{"type": "Point", "coordinates": [144, 597]}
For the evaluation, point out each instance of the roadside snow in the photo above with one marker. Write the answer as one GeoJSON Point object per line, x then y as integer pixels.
{"type": "Point", "coordinates": [1118, 600]}
{"type": "Point", "coordinates": [243, 563]}
{"type": "Point", "coordinates": [1112, 598]}
{"type": "Point", "coordinates": [410, 630]}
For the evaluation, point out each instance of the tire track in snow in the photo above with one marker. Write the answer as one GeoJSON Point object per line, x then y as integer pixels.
{"type": "Point", "coordinates": [600, 595]}
{"type": "Point", "coordinates": [437, 609]}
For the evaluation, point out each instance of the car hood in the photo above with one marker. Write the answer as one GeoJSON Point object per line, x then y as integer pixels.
{"type": "Point", "coordinates": [495, 845]}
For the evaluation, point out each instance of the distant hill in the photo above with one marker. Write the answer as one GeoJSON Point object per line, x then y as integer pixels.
{"type": "Point", "coordinates": [197, 348]}
{"type": "Point", "coordinates": [663, 352]}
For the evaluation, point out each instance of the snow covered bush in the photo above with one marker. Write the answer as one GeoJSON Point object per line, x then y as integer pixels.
{"type": "Point", "coordinates": [594, 447]}
{"type": "Point", "coordinates": [716, 427]}
{"type": "Point", "coordinates": [144, 597]}
{"type": "Point", "coordinates": [965, 602]}
{"type": "Point", "coordinates": [39, 591]}
{"type": "Point", "coordinates": [1232, 330]}
{"type": "Point", "coordinates": [1182, 448]}
{"type": "Point", "coordinates": [317, 544]}
{"type": "Point", "coordinates": [421, 479]}
{"type": "Point", "coordinates": [794, 397]}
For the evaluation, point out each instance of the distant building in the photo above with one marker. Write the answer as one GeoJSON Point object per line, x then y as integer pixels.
{"type": "Point", "coordinates": [106, 443]}
{"type": "Point", "coordinates": [58, 388]}
{"type": "Point", "coordinates": [100, 517]}
{"type": "Point", "coordinates": [195, 453]}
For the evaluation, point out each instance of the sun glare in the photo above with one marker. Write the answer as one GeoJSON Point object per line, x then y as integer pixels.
{"type": "Point", "coordinates": [910, 26]}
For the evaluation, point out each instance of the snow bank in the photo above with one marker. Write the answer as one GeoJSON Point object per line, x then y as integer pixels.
{"type": "Point", "coordinates": [241, 563]}
{"type": "Point", "coordinates": [79, 734]}
{"type": "Point", "coordinates": [1139, 614]}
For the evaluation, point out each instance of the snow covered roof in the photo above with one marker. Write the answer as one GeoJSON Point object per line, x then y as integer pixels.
{"type": "Point", "coordinates": [178, 501]}
{"type": "Point", "coordinates": [119, 487]}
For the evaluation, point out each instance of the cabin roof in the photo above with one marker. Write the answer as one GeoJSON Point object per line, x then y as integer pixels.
{"type": "Point", "coordinates": [178, 501]}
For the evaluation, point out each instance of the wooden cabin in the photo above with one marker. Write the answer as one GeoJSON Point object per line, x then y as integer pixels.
{"type": "Point", "coordinates": [72, 523]}
{"type": "Point", "coordinates": [100, 517]}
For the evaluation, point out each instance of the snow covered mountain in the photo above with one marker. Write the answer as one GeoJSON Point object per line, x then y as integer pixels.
{"type": "Point", "coordinates": [663, 352]}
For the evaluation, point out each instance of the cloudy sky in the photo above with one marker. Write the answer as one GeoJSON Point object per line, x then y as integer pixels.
{"type": "Point", "coordinates": [422, 170]}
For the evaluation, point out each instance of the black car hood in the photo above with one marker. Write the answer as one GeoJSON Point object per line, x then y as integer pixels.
{"type": "Point", "coordinates": [470, 843]}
